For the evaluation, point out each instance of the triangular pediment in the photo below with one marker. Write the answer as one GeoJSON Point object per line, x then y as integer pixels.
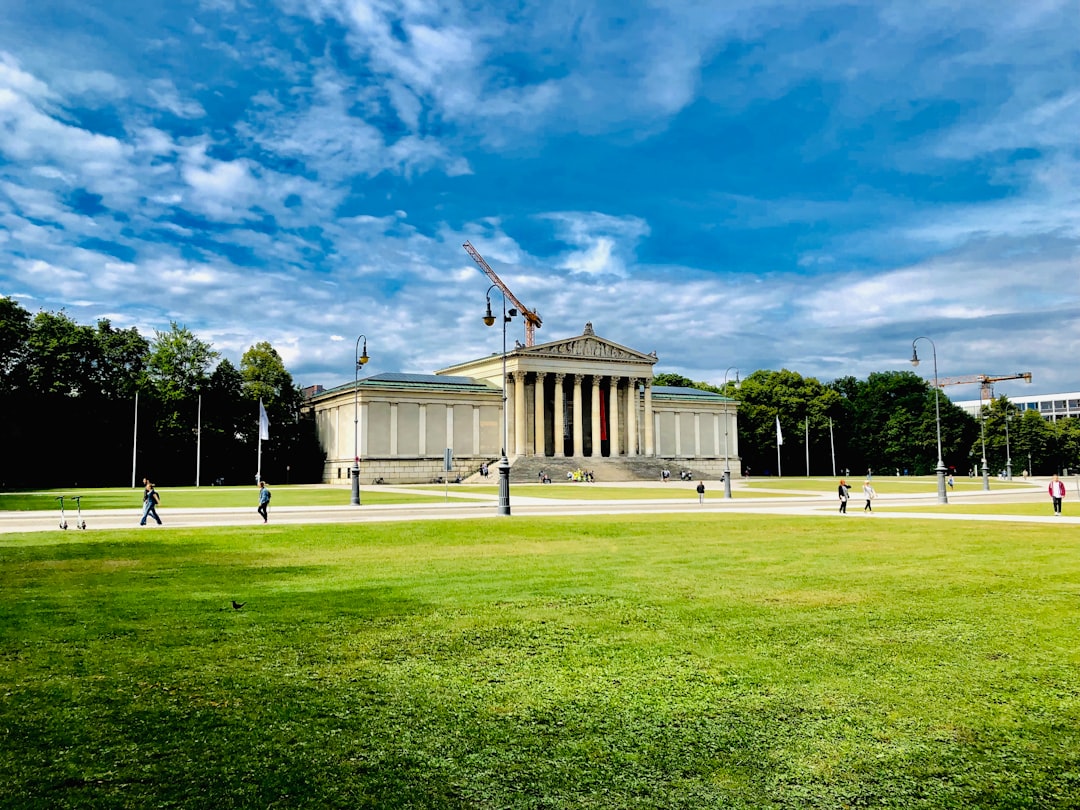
{"type": "Point", "coordinates": [588, 347]}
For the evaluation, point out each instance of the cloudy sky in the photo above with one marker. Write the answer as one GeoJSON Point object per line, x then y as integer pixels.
{"type": "Point", "coordinates": [795, 184]}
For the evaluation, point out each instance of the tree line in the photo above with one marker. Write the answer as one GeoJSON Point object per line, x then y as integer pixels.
{"type": "Point", "coordinates": [885, 423]}
{"type": "Point", "coordinates": [90, 405]}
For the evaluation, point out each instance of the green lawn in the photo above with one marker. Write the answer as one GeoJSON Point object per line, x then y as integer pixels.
{"type": "Point", "coordinates": [899, 485]}
{"type": "Point", "coordinates": [1042, 507]}
{"type": "Point", "coordinates": [684, 490]}
{"type": "Point", "coordinates": [208, 497]}
{"type": "Point", "coordinates": [617, 662]}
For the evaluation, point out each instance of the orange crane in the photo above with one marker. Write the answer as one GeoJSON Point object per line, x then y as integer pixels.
{"type": "Point", "coordinates": [532, 319]}
{"type": "Point", "coordinates": [986, 382]}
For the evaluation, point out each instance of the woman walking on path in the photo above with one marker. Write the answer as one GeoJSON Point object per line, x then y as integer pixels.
{"type": "Point", "coordinates": [868, 493]}
{"type": "Point", "coordinates": [264, 499]}
{"type": "Point", "coordinates": [1057, 492]}
{"type": "Point", "coordinates": [845, 492]}
{"type": "Point", "coordinates": [150, 502]}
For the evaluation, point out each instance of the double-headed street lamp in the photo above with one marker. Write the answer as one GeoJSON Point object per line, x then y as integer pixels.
{"type": "Point", "coordinates": [941, 496]}
{"type": "Point", "coordinates": [504, 462]}
{"type": "Point", "coordinates": [361, 359]}
{"type": "Point", "coordinates": [727, 448]}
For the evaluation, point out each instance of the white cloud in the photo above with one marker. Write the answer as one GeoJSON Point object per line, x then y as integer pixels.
{"type": "Point", "coordinates": [165, 95]}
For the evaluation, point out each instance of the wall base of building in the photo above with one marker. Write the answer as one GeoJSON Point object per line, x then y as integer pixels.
{"type": "Point", "coordinates": [526, 469]}
{"type": "Point", "coordinates": [405, 471]}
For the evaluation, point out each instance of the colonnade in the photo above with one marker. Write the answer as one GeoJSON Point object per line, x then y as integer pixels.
{"type": "Point", "coordinates": [602, 417]}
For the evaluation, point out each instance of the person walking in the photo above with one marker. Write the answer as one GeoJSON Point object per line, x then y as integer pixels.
{"type": "Point", "coordinates": [845, 492]}
{"type": "Point", "coordinates": [1057, 492]}
{"type": "Point", "coordinates": [150, 501]}
{"type": "Point", "coordinates": [701, 492]}
{"type": "Point", "coordinates": [868, 493]}
{"type": "Point", "coordinates": [264, 500]}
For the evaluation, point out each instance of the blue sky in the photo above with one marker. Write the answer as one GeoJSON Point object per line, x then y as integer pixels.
{"type": "Point", "coordinates": [806, 185]}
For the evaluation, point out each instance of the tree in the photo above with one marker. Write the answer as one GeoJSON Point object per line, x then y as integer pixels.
{"type": "Point", "coordinates": [14, 332]}
{"type": "Point", "coordinates": [179, 362]}
{"type": "Point", "coordinates": [674, 380]}
{"type": "Point", "coordinates": [802, 404]}
{"type": "Point", "coordinates": [264, 374]}
{"type": "Point", "coordinates": [178, 366]}
{"type": "Point", "coordinates": [293, 452]}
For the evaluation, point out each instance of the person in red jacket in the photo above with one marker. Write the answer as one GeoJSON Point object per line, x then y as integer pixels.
{"type": "Point", "coordinates": [1057, 492]}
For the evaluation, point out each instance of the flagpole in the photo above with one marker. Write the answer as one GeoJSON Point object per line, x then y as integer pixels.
{"type": "Point", "coordinates": [832, 448]}
{"type": "Point", "coordinates": [258, 462]}
{"type": "Point", "coordinates": [779, 441]}
{"type": "Point", "coordinates": [135, 441]}
{"type": "Point", "coordinates": [264, 433]}
{"type": "Point", "coordinates": [198, 441]}
{"type": "Point", "coordinates": [807, 446]}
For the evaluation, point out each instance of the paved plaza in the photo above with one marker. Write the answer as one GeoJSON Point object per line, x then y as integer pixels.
{"type": "Point", "coordinates": [461, 503]}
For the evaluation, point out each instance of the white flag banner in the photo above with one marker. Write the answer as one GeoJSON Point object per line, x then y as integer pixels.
{"type": "Point", "coordinates": [264, 423]}
{"type": "Point", "coordinates": [779, 435]}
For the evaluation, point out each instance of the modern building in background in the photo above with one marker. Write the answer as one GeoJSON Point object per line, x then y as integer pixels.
{"type": "Point", "coordinates": [579, 402]}
{"type": "Point", "coordinates": [1050, 406]}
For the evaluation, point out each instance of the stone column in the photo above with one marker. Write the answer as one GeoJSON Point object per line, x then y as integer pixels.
{"type": "Point", "coordinates": [519, 413]}
{"type": "Point", "coordinates": [507, 413]}
{"type": "Point", "coordinates": [560, 417]}
{"type": "Point", "coordinates": [579, 435]}
{"type": "Point", "coordinates": [613, 416]}
{"type": "Point", "coordinates": [596, 416]}
{"type": "Point", "coordinates": [650, 446]}
{"type": "Point", "coordinates": [631, 417]}
{"type": "Point", "coordinates": [538, 427]}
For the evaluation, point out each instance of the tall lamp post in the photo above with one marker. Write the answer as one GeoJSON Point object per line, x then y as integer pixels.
{"type": "Point", "coordinates": [361, 360]}
{"type": "Point", "coordinates": [941, 496]}
{"type": "Point", "coordinates": [982, 437]}
{"type": "Point", "coordinates": [504, 462]}
{"type": "Point", "coordinates": [1008, 452]}
{"type": "Point", "coordinates": [727, 447]}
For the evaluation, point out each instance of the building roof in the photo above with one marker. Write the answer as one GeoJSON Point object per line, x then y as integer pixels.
{"type": "Point", "coordinates": [679, 392]}
{"type": "Point", "coordinates": [428, 382]}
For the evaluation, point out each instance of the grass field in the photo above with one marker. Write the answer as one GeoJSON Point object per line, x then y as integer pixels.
{"type": "Point", "coordinates": [204, 497]}
{"type": "Point", "coordinates": [618, 662]}
{"type": "Point", "coordinates": [684, 490]}
{"type": "Point", "coordinates": [896, 485]}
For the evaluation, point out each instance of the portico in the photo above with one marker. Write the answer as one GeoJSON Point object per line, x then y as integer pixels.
{"type": "Point", "coordinates": [575, 397]}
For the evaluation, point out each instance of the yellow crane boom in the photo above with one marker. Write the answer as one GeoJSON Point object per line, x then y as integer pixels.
{"type": "Point", "coordinates": [532, 318]}
{"type": "Point", "coordinates": [986, 382]}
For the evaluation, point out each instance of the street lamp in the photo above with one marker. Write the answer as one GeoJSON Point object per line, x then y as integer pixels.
{"type": "Point", "coordinates": [941, 496]}
{"type": "Point", "coordinates": [1008, 452]}
{"type": "Point", "coordinates": [361, 360]}
{"type": "Point", "coordinates": [504, 462]}
{"type": "Point", "coordinates": [727, 448]}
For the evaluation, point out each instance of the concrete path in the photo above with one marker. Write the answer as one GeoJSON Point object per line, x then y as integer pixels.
{"type": "Point", "coordinates": [466, 505]}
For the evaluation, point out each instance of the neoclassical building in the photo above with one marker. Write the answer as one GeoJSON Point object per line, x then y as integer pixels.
{"type": "Point", "coordinates": [574, 402]}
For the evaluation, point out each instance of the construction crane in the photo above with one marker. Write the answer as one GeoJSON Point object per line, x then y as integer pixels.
{"type": "Point", "coordinates": [532, 319]}
{"type": "Point", "coordinates": [986, 382]}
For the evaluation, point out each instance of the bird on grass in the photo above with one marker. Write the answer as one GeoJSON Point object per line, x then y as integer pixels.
{"type": "Point", "coordinates": [237, 605]}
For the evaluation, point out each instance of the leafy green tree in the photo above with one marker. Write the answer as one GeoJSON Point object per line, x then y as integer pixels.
{"type": "Point", "coordinates": [293, 452]}
{"type": "Point", "coordinates": [225, 427]}
{"type": "Point", "coordinates": [120, 363]}
{"type": "Point", "coordinates": [59, 355]}
{"type": "Point", "coordinates": [14, 333]}
{"type": "Point", "coordinates": [676, 381]}
{"type": "Point", "coordinates": [265, 376]}
{"type": "Point", "coordinates": [892, 424]}
{"type": "Point", "coordinates": [802, 404]}
{"type": "Point", "coordinates": [179, 363]}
